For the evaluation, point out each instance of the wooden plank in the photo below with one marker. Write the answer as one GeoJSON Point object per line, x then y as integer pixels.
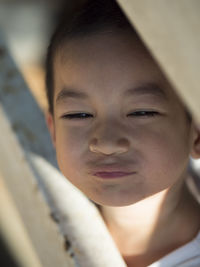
{"type": "Point", "coordinates": [18, 111]}
{"type": "Point", "coordinates": [171, 31]}
{"type": "Point", "coordinates": [12, 230]}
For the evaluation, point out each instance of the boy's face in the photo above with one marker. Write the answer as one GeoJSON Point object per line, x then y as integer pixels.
{"type": "Point", "coordinates": [132, 121]}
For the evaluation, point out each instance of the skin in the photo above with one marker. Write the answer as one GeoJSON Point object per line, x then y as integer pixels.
{"type": "Point", "coordinates": [146, 133]}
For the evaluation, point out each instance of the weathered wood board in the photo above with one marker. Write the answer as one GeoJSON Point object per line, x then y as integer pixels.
{"type": "Point", "coordinates": [13, 232]}
{"type": "Point", "coordinates": [171, 31]}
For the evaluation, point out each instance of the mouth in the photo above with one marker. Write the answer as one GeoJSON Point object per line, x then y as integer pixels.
{"type": "Point", "coordinates": [112, 175]}
{"type": "Point", "coordinates": [111, 170]}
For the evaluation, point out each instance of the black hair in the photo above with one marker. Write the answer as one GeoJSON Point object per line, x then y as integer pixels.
{"type": "Point", "coordinates": [92, 18]}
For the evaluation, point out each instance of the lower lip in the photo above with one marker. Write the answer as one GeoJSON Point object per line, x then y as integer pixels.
{"type": "Point", "coordinates": [112, 175]}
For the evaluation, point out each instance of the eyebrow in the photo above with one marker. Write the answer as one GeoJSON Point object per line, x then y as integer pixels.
{"type": "Point", "coordinates": [147, 89]}
{"type": "Point", "coordinates": [70, 93]}
{"type": "Point", "coordinates": [143, 89]}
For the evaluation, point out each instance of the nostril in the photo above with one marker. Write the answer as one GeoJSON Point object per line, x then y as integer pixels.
{"type": "Point", "coordinates": [123, 142]}
{"type": "Point", "coordinates": [95, 141]}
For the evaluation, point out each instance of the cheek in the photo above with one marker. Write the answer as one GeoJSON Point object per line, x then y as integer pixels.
{"type": "Point", "coordinates": [70, 145]}
{"type": "Point", "coordinates": [166, 154]}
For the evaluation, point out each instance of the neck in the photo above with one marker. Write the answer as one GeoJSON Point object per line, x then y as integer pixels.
{"type": "Point", "coordinates": [142, 227]}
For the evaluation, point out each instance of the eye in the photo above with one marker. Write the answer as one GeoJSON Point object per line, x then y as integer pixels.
{"type": "Point", "coordinates": [76, 116]}
{"type": "Point", "coordinates": [144, 113]}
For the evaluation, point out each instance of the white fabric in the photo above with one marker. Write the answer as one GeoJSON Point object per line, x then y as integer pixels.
{"type": "Point", "coordinates": [185, 256]}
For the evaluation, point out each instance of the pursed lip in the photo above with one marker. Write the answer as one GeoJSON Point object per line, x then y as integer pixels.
{"type": "Point", "coordinates": [116, 174]}
{"type": "Point", "coordinates": [111, 171]}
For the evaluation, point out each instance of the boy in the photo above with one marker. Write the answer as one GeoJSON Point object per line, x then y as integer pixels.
{"type": "Point", "coordinates": [123, 137]}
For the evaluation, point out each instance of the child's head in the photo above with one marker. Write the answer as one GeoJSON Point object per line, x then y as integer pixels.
{"type": "Point", "coordinates": [121, 133]}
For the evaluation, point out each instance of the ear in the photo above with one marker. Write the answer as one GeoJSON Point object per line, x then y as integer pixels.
{"type": "Point", "coordinates": [51, 126]}
{"type": "Point", "coordinates": [195, 151]}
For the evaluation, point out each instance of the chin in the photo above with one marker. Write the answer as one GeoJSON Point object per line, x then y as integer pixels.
{"type": "Point", "coordinates": [115, 202]}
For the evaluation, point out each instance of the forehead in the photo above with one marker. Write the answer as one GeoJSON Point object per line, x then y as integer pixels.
{"type": "Point", "coordinates": [113, 51]}
{"type": "Point", "coordinates": [109, 63]}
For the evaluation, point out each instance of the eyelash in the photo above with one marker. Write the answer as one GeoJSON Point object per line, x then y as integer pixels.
{"type": "Point", "coordinates": [144, 113]}
{"type": "Point", "coordinates": [76, 116]}
{"type": "Point", "coordinates": [81, 116]}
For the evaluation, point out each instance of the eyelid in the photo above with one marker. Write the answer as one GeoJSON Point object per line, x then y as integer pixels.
{"type": "Point", "coordinates": [144, 113]}
{"type": "Point", "coordinates": [76, 116]}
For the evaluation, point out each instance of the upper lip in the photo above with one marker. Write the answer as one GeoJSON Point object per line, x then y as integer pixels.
{"type": "Point", "coordinates": [111, 168]}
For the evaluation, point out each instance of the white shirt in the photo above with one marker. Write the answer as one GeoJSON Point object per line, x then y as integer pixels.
{"type": "Point", "coordinates": [185, 256]}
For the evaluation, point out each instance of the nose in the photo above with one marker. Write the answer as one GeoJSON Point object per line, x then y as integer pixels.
{"type": "Point", "coordinates": [109, 141]}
